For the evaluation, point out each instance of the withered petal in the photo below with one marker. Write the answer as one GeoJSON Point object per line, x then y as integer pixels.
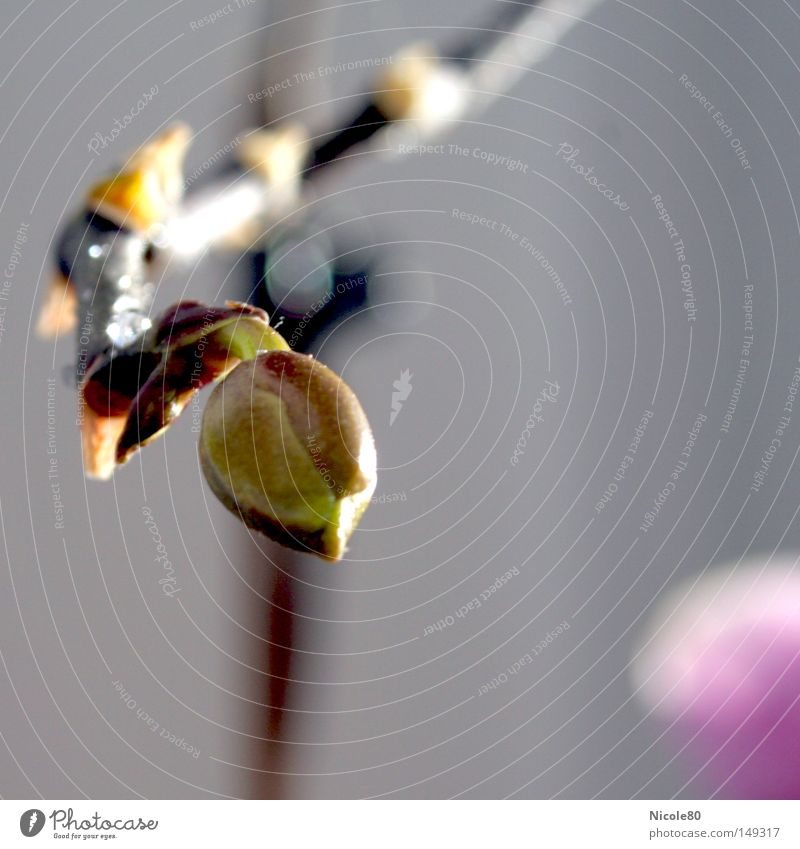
{"type": "Point", "coordinates": [204, 345]}
{"type": "Point", "coordinates": [112, 382]}
{"type": "Point", "coordinates": [147, 385]}
{"type": "Point", "coordinates": [165, 394]}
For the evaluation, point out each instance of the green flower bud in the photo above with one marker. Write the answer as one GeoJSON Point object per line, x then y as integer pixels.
{"type": "Point", "coordinates": [286, 446]}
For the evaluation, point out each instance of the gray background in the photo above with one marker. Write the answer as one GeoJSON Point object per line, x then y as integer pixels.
{"type": "Point", "coordinates": [378, 707]}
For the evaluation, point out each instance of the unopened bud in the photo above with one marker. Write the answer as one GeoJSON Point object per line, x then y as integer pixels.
{"type": "Point", "coordinates": [286, 446]}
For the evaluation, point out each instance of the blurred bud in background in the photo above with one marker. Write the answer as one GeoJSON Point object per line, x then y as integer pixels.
{"type": "Point", "coordinates": [720, 665]}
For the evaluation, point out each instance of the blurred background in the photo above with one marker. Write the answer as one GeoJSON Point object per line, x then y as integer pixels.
{"type": "Point", "coordinates": [598, 411]}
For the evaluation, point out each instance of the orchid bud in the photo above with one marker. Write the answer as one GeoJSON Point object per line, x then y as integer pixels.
{"type": "Point", "coordinates": [286, 446]}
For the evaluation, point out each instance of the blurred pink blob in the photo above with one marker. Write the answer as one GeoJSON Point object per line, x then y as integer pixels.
{"type": "Point", "coordinates": [721, 665]}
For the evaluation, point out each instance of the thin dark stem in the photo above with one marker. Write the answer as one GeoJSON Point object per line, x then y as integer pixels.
{"type": "Point", "coordinates": [275, 657]}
